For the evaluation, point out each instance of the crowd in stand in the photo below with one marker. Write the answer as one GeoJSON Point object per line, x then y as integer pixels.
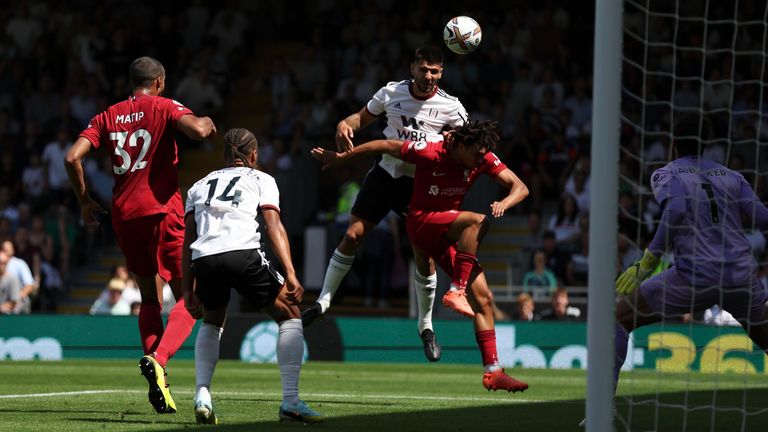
{"type": "Point", "coordinates": [60, 64]}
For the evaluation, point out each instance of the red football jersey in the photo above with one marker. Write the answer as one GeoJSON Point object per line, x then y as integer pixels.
{"type": "Point", "coordinates": [440, 183]}
{"type": "Point", "coordinates": [144, 153]}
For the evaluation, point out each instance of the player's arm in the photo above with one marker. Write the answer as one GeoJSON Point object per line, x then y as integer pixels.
{"type": "Point", "coordinates": [73, 163]}
{"type": "Point", "coordinates": [672, 215]}
{"type": "Point", "coordinates": [752, 208]}
{"type": "Point", "coordinates": [278, 240]}
{"type": "Point", "coordinates": [196, 128]}
{"type": "Point", "coordinates": [331, 158]}
{"type": "Point", "coordinates": [346, 128]}
{"type": "Point", "coordinates": [517, 192]}
{"type": "Point", "coordinates": [191, 301]}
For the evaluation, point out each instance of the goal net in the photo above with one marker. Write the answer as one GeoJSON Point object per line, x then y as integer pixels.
{"type": "Point", "coordinates": [707, 58]}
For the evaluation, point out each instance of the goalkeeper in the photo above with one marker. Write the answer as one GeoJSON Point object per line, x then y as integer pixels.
{"type": "Point", "coordinates": [703, 205]}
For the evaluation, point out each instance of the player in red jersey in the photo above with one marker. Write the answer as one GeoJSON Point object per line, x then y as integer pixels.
{"type": "Point", "coordinates": [147, 211]}
{"type": "Point", "coordinates": [445, 170]}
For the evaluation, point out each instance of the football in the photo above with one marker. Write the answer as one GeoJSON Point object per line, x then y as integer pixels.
{"type": "Point", "coordinates": [462, 34]}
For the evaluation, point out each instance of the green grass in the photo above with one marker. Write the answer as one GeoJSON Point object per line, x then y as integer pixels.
{"type": "Point", "coordinates": [369, 397]}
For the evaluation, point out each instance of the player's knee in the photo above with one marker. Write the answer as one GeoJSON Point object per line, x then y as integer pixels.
{"type": "Point", "coordinates": [484, 299]}
{"type": "Point", "coordinates": [354, 238]}
{"type": "Point", "coordinates": [283, 310]}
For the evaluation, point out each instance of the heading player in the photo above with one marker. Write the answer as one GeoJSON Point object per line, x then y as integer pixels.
{"type": "Point", "coordinates": [223, 246]}
{"type": "Point", "coordinates": [146, 206]}
{"type": "Point", "coordinates": [703, 205]}
{"type": "Point", "coordinates": [417, 110]}
{"type": "Point", "coordinates": [445, 170]}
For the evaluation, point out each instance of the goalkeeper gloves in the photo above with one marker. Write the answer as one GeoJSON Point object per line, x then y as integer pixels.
{"type": "Point", "coordinates": [628, 282]}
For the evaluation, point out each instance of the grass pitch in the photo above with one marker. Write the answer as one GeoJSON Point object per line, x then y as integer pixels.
{"type": "Point", "coordinates": [106, 395]}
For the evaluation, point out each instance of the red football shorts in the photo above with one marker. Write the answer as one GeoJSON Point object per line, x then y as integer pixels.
{"type": "Point", "coordinates": [427, 231]}
{"type": "Point", "coordinates": [152, 244]}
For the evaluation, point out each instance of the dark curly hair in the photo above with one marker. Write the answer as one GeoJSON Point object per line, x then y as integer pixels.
{"type": "Point", "coordinates": [483, 132]}
{"type": "Point", "coordinates": [238, 145]}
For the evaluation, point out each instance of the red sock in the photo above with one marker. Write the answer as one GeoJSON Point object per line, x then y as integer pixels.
{"type": "Point", "coordinates": [180, 324]}
{"type": "Point", "coordinates": [150, 326]}
{"type": "Point", "coordinates": [462, 268]}
{"type": "Point", "coordinates": [486, 340]}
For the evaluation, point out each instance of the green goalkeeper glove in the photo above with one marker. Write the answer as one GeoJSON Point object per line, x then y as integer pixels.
{"type": "Point", "coordinates": [628, 282]}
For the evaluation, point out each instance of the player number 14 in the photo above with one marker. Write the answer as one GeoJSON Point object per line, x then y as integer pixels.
{"type": "Point", "coordinates": [133, 140]}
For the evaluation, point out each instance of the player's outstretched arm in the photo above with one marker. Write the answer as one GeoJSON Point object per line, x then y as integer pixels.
{"type": "Point", "coordinates": [196, 128]}
{"type": "Point", "coordinates": [73, 163]}
{"type": "Point", "coordinates": [517, 192]}
{"type": "Point", "coordinates": [278, 240]}
{"type": "Point", "coordinates": [191, 301]}
{"type": "Point", "coordinates": [331, 158]}
{"type": "Point", "coordinates": [346, 128]}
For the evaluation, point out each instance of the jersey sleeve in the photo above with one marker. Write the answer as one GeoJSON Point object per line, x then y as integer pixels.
{"type": "Point", "coordinates": [493, 166]}
{"type": "Point", "coordinates": [176, 109]}
{"type": "Point", "coordinates": [458, 116]}
{"type": "Point", "coordinates": [93, 132]}
{"type": "Point", "coordinates": [189, 205]}
{"type": "Point", "coordinates": [376, 106]}
{"type": "Point", "coordinates": [417, 152]}
{"type": "Point", "coordinates": [270, 194]}
{"type": "Point", "coordinates": [663, 184]}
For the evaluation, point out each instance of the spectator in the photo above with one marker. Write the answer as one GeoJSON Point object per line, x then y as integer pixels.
{"type": "Point", "coordinates": [135, 308]}
{"type": "Point", "coordinates": [540, 281]}
{"type": "Point", "coordinates": [19, 269]}
{"type": "Point", "coordinates": [560, 309]}
{"type": "Point", "coordinates": [534, 238]}
{"type": "Point", "coordinates": [557, 258]}
{"type": "Point", "coordinates": [10, 287]}
{"type": "Point", "coordinates": [526, 308]}
{"type": "Point", "coordinates": [565, 224]}
{"type": "Point", "coordinates": [114, 305]}
{"type": "Point", "coordinates": [578, 268]}
{"type": "Point", "coordinates": [580, 105]}
{"type": "Point", "coordinates": [53, 160]}
{"type": "Point", "coordinates": [199, 93]}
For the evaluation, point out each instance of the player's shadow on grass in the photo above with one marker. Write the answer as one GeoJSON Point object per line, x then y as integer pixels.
{"type": "Point", "coordinates": [706, 410]}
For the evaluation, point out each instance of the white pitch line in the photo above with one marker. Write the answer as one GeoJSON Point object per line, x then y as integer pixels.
{"type": "Point", "coordinates": [277, 395]}
{"type": "Point", "coordinates": [70, 393]}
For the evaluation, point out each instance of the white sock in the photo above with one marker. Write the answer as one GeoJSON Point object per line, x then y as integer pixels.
{"type": "Point", "coordinates": [492, 367]}
{"type": "Point", "coordinates": [290, 351]}
{"type": "Point", "coordinates": [425, 294]}
{"type": "Point", "coordinates": [338, 267]}
{"type": "Point", "coordinates": [206, 354]}
{"type": "Point", "coordinates": [202, 395]}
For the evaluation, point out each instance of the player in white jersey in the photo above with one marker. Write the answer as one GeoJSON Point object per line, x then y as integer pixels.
{"type": "Point", "coordinates": [222, 250]}
{"type": "Point", "coordinates": [416, 110]}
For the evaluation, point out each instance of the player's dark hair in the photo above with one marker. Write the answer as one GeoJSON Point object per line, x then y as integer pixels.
{"type": "Point", "coordinates": [686, 135]}
{"type": "Point", "coordinates": [144, 70]}
{"type": "Point", "coordinates": [238, 145]}
{"type": "Point", "coordinates": [483, 132]}
{"type": "Point", "coordinates": [430, 54]}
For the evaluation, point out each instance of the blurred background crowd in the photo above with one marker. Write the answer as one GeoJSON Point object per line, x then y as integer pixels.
{"type": "Point", "coordinates": [290, 77]}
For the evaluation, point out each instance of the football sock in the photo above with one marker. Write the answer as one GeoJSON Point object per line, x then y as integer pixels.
{"type": "Point", "coordinates": [462, 268]}
{"type": "Point", "coordinates": [203, 395]}
{"type": "Point", "coordinates": [290, 351]}
{"type": "Point", "coordinates": [425, 295]}
{"type": "Point", "coordinates": [338, 267]}
{"type": "Point", "coordinates": [180, 324]}
{"type": "Point", "coordinates": [150, 326]}
{"type": "Point", "coordinates": [206, 354]}
{"type": "Point", "coordinates": [486, 340]}
{"type": "Point", "coordinates": [621, 339]}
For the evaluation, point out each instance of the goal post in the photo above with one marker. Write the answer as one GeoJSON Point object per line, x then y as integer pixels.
{"type": "Point", "coordinates": [603, 213]}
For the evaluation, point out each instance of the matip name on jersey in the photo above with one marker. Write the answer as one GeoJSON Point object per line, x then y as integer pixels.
{"type": "Point", "coordinates": [129, 118]}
